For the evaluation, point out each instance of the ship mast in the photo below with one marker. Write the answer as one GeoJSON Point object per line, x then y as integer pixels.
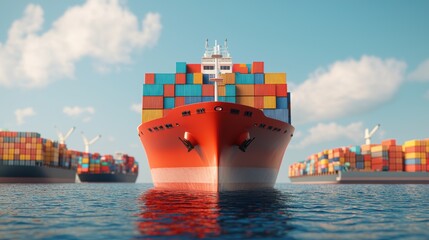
{"type": "Point", "coordinates": [216, 61]}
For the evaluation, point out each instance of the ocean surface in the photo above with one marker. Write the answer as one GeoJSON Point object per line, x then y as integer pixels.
{"type": "Point", "coordinates": [137, 211]}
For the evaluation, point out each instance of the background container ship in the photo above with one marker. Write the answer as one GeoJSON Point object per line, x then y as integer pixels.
{"type": "Point", "coordinates": [370, 163]}
{"type": "Point", "coordinates": [107, 168]}
{"type": "Point", "coordinates": [216, 125]}
{"type": "Point", "coordinates": [26, 157]}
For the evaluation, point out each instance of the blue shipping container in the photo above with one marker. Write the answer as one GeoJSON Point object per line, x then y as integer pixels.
{"type": "Point", "coordinates": [413, 161]}
{"type": "Point", "coordinates": [190, 100]}
{"type": "Point", "coordinates": [279, 114]}
{"type": "Point", "coordinates": [227, 99]}
{"type": "Point", "coordinates": [281, 103]}
{"type": "Point", "coordinates": [194, 90]}
{"type": "Point", "coordinates": [356, 149]}
{"type": "Point", "coordinates": [169, 102]}
{"type": "Point", "coordinates": [249, 68]}
{"type": "Point", "coordinates": [259, 78]}
{"type": "Point", "coordinates": [206, 78]}
{"type": "Point", "coordinates": [180, 67]}
{"type": "Point", "coordinates": [230, 90]}
{"type": "Point", "coordinates": [165, 78]}
{"type": "Point", "coordinates": [190, 78]}
{"type": "Point", "coordinates": [153, 90]}
{"type": "Point", "coordinates": [244, 78]}
{"type": "Point", "coordinates": [207, 99]}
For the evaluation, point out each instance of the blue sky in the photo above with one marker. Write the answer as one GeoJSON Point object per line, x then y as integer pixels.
{"type": "Point", "coordinates": [349, 64]}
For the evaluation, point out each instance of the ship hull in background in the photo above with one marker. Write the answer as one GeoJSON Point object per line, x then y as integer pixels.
{"type": "Point", "coordinates": [107, 178]}
{"type": "Point", "coordinates": [216, 162]}
{"type": "Point", "coordinates": [364, 177]}
{"type": "Point", "coordinates": [36, 174]}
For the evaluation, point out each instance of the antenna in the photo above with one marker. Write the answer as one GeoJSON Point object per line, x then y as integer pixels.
{"type": "Point", "coordinates": [88, 143]}
{"type": "Point", "coordinates": [216, 55]}
{"type": "Point", "coordinates": [368, 135]}
{"type": "Point", "coordinates": [61, 137]}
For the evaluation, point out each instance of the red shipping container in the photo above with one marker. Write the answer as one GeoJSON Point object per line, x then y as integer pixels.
{"type": "Point", "coordinates": [180, 78]}
{"type": "Point", "coordinates": [149, 78]}
{"type": "Point", "coordinates": [179, 101]}
{"type": "Point", "coordinates": [193, 68]}
{"type": "Point", "coordinates": [239, 69]}
{"type": "Point", "coordinates": [412, 149]}
{"type": "Point", "coordinates": [165, 112]}
{"type": "Point", "coordinates": [208, 90]}
{"type": "Point", "coordinates": [388, 142]}
{"type": "Point", "coordinates": [281, 90]}
{"type": "Point", "coordinates": [265, 89]}
{"type": "Point", "coordinates": [413, 168]}
{"type": "Point", "coordinates": [259, 102]}
{"type": "Point", "coordinates": [168, 90]}
{"type": "Point", "coordinates": [258, 67]}
{"type": "Point", "coordinates": [153, 102]}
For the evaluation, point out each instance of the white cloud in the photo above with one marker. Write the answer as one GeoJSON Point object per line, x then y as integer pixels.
{"type": "Point", "coordinates": [76, 111]}
{"type": "Point", "coordinates": [103, 30]}
{"type": "Point", "coordinates": [347, 87]}
{"type": "Point", "coordinates": [136, 107]}
{"type": "Point", "coordinates": [330, 132]}
{"type": "Point", "coordinates": [23, 113]}
{"type": "Point", "coordinates": [421, 73]}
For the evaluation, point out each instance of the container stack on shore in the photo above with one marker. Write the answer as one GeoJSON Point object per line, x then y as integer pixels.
{"type": "Point", "coordinates": [30, 149]}
{"type": "Point", "coordinates": [248, 84]}
{"type": "Point", "coordinates": [412, 156]}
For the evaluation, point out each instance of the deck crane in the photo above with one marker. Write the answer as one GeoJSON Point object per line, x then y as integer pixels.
{"type": "Point", "coordinates": [368, 134]}
{"type": "Point", "coordinates": [61, 137]}
{"type": "Point", "coordinates": [88, 143]}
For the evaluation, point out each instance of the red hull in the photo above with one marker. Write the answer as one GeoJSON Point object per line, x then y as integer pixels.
{"type": "Point", "coordinates": [216, 162]}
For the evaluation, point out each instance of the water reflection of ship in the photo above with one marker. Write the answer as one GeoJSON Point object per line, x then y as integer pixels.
{"type": "Point", "coordinates": [241, 214]}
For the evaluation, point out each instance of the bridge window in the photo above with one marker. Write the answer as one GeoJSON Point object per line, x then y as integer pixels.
{"type": "Point", "coordinates": [224, 67]}
{"type": "Point", "coordinates": [208, 67]}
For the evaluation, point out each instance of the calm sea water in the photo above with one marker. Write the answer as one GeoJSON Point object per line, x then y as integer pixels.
{"type": "Point", "coordinates": [137, 211]}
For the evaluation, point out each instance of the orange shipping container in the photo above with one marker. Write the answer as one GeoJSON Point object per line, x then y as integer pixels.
{"type": "Point", "coordinates": [228, 78]}
{"type": "Point", "coordinates": [180, 78]}
{"type": "Point", "coordinates": [239, 68]}
{"type": "Point", "coordinates": [153, 102]}
{"type": "Point", "coordinates": [149, 78]}
{"type": "Point", "coordinates": [247, 100]}
{"type": "Point", "coordinates": [259, 102]}
{"type": "Point", "coordinates": [265, 89]}
{"type": "Point", "coordinates": [168, 90]}
{"type": "Point", "coordinates": [193, 68]}
{"type": "Point", "coordinates": [258, 67]}
{"type": "Point", "coordinates": [388, 142]}
{"type": "Point", "coordinates": [281, 90]}
{"type": "Point", "coordinates": [245, 89]}
{"type": "Point", "coordinates": [208, 90]}
{"type": "Point", "coordinates": [179, 101]}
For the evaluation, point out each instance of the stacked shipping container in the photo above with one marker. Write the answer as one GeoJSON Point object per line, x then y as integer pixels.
{"type": "Point", "coordinates": [96, 164]}
{"type": "Point", "coordinates": [30, 149]}
{"type": "Point", "coordinates": [387, 156]}
{"type": "Point", "coordinates": [247, 85]}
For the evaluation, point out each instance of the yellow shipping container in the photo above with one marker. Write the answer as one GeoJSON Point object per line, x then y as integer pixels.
{"type": "Point", "coordinates": [412, 143]}
{"type": "Point", "coordinates": [151, 114]}
{"type": "Point", "coordinates": [413, 155]}
{"type": "Point", "coordinates": [248, 101]}
{"type": "Point", "coordinates": [85, 160]}
{"type": "Point", "coordinates": [269, 102]}
{"type": "Point", "coordinates": [228, 78]}
{"type": "Point", "coordinates": [245, 89]}
{"type": "Point", "coordinates": [198, 78]}
{"type": "Point", "coordinates": [423, 161]}
{"type": "Point", "coordinates": [275, 78]}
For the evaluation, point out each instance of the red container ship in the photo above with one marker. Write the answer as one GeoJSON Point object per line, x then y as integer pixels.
{"type": "Point", "coordinates": [215, 126]}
